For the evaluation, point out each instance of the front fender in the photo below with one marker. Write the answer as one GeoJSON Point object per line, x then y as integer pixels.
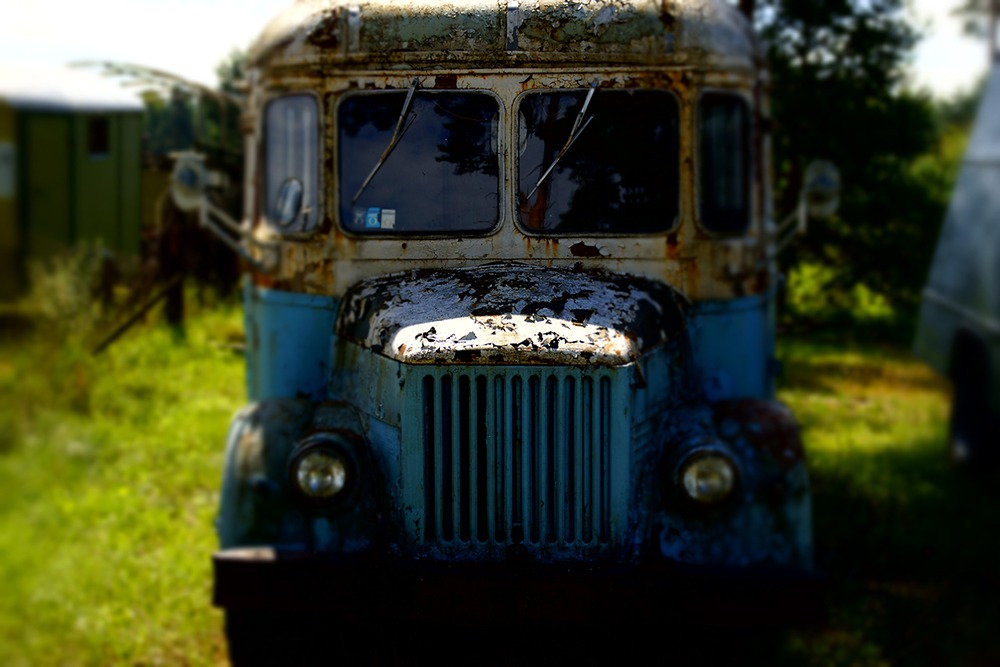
{"type": "Point", "coordinates": [259, 505]}
{"type": "Point", "coordinates": [769, 520]}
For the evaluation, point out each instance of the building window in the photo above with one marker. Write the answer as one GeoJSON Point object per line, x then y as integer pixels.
{"type": "Point", "coordinates": [98, 137]}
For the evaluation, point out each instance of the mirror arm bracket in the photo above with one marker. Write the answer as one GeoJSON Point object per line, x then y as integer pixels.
{"type": "Point", "coordinates": [207, 211]}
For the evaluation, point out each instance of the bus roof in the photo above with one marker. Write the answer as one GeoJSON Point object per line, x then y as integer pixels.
{"type": "Point", "coordinates": [507, 33]}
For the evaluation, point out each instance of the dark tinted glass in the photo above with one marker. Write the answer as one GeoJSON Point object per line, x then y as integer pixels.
{"type": "Point", "coordinates": [442, 175]}
{"type": "Point", "coordinates": [724, 158]}
{"type": "Point", "coordinates": [619, 175]}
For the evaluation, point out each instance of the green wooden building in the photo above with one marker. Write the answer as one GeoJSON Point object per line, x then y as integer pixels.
{"type": "Point", "coordinates": [70, 161]}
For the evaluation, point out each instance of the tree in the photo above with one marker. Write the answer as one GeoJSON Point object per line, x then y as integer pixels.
{"type": "Point", "coordinates": [169, 123]}
{"type": "Point", "coordinates": [231, 72]}
{"type": "Point", "coordinates": [837, 69]}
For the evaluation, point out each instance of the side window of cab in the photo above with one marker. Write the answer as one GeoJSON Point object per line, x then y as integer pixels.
{"type": "Point", "coordinates": [291, 163]}
{"type": "Point", "coordinates": [724, 161]}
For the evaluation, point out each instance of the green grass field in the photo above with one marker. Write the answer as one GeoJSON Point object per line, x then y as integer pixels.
{"type": "Point", "coordinates": [109, 469]}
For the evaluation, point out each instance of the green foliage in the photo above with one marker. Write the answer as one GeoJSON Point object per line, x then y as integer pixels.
{"type": "Point", "coordinates": [106, 517]}
{"type": "Point", "coordinates": [169, 124]}
{"type": "Point", "coordinates": [231, 71]}
{"type": "Point", "coordinates": [189, 120]}
{"type": "Point", "coordinates": [63, 291]}
{"type": "Point", "coordinates": [960, 111]}
{"type": "Point", "coordinates": [816, 296]}
{"type": "Point", "coordinates": [838, 66]}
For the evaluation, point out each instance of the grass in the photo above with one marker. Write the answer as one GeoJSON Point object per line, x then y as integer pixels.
{"type": "Point", "coordinates": [109, 470]}
{"type": "Point", "coordinates": [108, 480]}
{"type": "Point", "coordinates": [909, 543]}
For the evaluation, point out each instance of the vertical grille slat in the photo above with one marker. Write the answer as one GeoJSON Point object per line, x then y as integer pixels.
{"type": "Point", "coordinates": [431, 418]}
{"type": "Point", "coordinates": [529, 424]}
{"type": "Point", "coordinates": [477, 459]}
{"type": "Point", "coordinates": [459, 484]}
{"type": "Point", "coordinates": [502, 484]}
{"type": "Point", "coordinates": [561, 482]}
{"type": "Point", "coordinates": [604, 407]}
{"type": "Point", "coordinates": [445, 477]}
{"type": "Point", "coordinates": [578, 461]}
{"type": "Point", "coordinates": [516, 456]}
{"type": "Point", "coordinates": [588, 458]}
{"type": "Point", "coordinates": [492, 438]}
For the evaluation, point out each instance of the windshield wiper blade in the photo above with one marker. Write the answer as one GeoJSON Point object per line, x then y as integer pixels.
{"type": "Point", "coordinates": [397, 134]}
{"type": "Point", "coordinates": [579, 125]}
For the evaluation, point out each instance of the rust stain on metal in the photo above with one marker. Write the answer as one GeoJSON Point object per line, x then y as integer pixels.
{"type": "Point", "coordinates": [581, 249]}
{"type": "Point", "coordinates": [488, 32]}
{"type": "Point", "coordinates": [446, 81]}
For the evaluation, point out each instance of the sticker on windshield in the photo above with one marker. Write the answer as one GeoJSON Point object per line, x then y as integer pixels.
{"type": "Point", "coordinates": [372, 219]}
{"type": "Point", "coordinates": [375, 218]}
{"type": "Point", "coordinates": [388, 218]}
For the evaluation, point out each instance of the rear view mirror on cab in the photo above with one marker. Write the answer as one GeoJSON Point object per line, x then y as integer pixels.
{"type": "Point", "coordinates": [189, 186]}
{"type": "Point", "coordinates": [819, 198]}
{"type": "Point", "coordinates": [820, 192]}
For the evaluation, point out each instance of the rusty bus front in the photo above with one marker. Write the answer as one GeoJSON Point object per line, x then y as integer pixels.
{"type": "Point", "coordinates": [510, 317]}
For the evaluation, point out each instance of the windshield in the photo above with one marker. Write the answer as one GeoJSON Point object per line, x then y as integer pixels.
{"type": "Point", "coordinates": [415, 161]}
{"type": "Point", "coordinates": [598, 161]}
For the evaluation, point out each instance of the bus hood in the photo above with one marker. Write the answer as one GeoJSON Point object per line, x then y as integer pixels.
{"type": "Point", "coordinates": [509, 313]}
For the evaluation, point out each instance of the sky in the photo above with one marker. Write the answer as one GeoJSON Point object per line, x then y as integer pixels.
{"type": "Point", "coordinates": [190, 37]}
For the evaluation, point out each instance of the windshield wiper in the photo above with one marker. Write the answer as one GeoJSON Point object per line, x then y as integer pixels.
{"type": "Point", "coordinates": [579, 125]}
{"type": "Point", "coordinates": [397, 134]}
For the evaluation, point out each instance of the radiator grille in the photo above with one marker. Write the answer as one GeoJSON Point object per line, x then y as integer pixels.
{"type": "Point", "coordinates": [516, 458]}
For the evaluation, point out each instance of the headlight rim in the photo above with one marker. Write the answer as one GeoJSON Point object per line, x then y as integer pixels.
{"type": "Point", "coordinates": [328, 442]}
{"type": "Point", "coordinates": [700, 451]}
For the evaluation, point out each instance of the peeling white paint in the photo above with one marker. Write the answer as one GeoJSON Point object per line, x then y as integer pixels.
{"type": "Point", "coordinates": [546, 339]}
{"type": "Point", "coordinates": [508, 313]}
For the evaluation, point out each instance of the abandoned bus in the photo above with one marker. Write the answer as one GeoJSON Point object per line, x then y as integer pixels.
{"type": "Point", "coordinates": [510, 318]}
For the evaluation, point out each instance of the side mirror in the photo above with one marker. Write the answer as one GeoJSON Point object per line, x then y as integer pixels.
{"type": "Point", "coordinates": [820, 196]}
{"type": "Point", "coordinates": [187, 182]}
{"type": "Point", "coordinates": [289, 203]}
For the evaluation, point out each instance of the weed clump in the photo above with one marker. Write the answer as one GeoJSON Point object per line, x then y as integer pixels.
{"type": "Point", "coordinates": [47, 363]}
{"type": "Point", "coordinates": [71, 293]}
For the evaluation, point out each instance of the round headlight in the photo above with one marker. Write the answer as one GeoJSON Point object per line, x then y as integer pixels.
{"type": "Point", "coordinates": [708, 477]}
{"type": "Point", "coordinates": [321, 474]}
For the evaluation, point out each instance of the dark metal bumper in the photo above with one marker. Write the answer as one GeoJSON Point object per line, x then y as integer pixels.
{"type": "Point", "coordinates": [366, 588]}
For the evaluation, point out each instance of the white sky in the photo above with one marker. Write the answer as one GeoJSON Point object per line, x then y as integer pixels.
{"type": "Point", "coordinates": [190, 37]}
{"type": "Point", "coordinates": [945, 61]}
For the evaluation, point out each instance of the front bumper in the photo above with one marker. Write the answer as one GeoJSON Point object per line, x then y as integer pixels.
{"type": "Point", "coordinates": [367, 588]}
